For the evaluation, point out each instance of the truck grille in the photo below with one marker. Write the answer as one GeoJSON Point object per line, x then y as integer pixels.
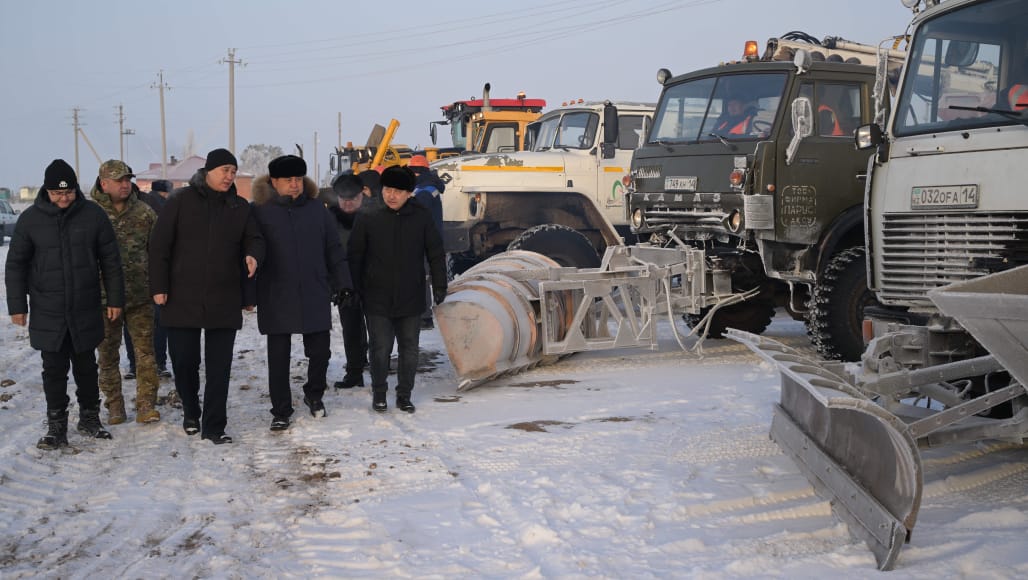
{"type": "Point", "coordinates": [661, 217]}
{"type": "Point", "coordinates": [925, 251]}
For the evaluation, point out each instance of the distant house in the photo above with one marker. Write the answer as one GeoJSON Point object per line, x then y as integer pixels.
{"type": "Point", "coordinates": [180, 172]}
{"type": "Point", "coordinates": [28, 193]}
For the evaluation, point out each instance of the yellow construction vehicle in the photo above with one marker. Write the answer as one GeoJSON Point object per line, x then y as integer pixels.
{"type": "Point", "coordinates": [379, 150]}
{"type": "Point", "coordinates": [487, 125]}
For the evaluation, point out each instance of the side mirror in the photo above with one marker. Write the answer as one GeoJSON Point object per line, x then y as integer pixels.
{"type": "Point", "coordinates": [607, 150]}
{"type": "Point", "coordinates": [868, 136]}
{"type": "Point", "coordinates": [802, 126]}
{"type": "Point", "coordinates": [332, 163]}
{"type": "Point", "coordinates": [610, 123]}
{"type": "Point", "coordinates": [960, 53]}
{"type": "Point", "coordinates": [431, 132]}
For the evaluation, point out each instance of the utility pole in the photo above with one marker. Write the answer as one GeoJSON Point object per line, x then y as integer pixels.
{"type": "Point", "coordinates": [317, 177]}
{"type": "Point", "coordinates": [232, 62]}
{"type": "Point", "coordinates": [340, 122]}
{"type": "Point", "coordinates": [122, 131]}
{"type": "Point", "coordinates": [164, 135]}
{"type": "Point", "coordinates": [75, 116]}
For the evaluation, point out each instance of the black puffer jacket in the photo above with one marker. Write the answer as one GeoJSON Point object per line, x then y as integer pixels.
{"type": "Point", "coordinates": [197, 253]}
{"type": "Point", "coordinates": [305, 263]}
{"type": "Point", "coordinates": [387, 254]}
{"type": "Point", "coordinates": [54, 267]}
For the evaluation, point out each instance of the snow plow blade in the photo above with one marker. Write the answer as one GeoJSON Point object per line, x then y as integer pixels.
{"type": "Point", "coordinates": [489, 319]}
{"type": "Point", "coordinates": [994, 309]}
{"type": "Point", "coordinates": [859, 456]}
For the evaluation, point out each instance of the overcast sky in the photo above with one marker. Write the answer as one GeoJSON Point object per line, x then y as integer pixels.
{"type": "Point", "coordinates": [307, 61]}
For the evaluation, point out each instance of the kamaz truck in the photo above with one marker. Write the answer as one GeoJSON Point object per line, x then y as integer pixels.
{"type": "Point", "coordinates": [753, 162]}
{"type": "Point", "coordinates": [946, 218]}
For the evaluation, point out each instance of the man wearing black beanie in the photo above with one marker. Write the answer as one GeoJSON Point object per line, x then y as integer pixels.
{"type": "Point", "coordinates": [388, 250]}
{"type": "Point", "coordinates": [67, 308]}
{"type": "Point", "coordinates": [197, 272]}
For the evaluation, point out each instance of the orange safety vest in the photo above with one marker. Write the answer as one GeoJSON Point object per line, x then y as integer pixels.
{"type": "Point", "coordinates": [836, 130]}
{"type": "Point", "coordinates": [737, 129]}
{"type": "Point", "coordinates": [1017, 96]}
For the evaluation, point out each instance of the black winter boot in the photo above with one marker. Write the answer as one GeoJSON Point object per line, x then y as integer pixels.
{"type": "Point", "coordinates": [378, 402]}
{"type": "Point", "coordinates": [350, 380]}
{"type": "Point", "coordinates": [89, 423]}
{"type": "Point", "coordinates": [57, 430]}
{"type": "Point", "coordinates": [403, 403]}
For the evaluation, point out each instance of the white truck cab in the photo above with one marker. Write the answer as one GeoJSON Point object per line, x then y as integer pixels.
{"type": "Point", "coordinates": [563, 195]}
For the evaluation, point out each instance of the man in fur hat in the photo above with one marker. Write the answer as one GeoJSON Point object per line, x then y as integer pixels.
{"type": "Point", "coordinates": [304, 268]}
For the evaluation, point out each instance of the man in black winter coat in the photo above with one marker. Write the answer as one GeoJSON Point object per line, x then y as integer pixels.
{"type": "Point", "coordinates": [387, 252]}
{"type": "Point", "coordinates": [348, 198]}
{"type": "Point", "coordinates": [304, 268]}
{"type": "Point", "coordinates": [204, 246]}
{"type": "Point", "coordinates": [61, 248]}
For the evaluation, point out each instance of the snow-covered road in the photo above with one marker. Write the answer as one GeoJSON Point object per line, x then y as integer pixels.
{"type": "Point", "coordinates": [630, 464]}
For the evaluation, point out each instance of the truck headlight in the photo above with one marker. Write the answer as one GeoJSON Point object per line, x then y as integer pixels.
{"type": "Point", "coordinates": [637, 218]}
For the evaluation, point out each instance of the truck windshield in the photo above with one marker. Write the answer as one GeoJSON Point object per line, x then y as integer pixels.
{"type": "Point", "coordinates": [733, 107]}
{"type": "Point", "coordinates": [459, 131]}
{"type": "Point", "coordinates": [572, 130]}
{"type": "Point", "coordinates": [964, 69]}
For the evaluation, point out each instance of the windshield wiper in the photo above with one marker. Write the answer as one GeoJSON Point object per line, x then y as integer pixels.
{"type": "Point", "coordinates": [1018, 116]}
{"type": "Point", "coordinates": [722, 140]}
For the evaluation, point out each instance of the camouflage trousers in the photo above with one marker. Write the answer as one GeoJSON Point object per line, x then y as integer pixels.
{"type": "Point", "coordinates": [139, 320]}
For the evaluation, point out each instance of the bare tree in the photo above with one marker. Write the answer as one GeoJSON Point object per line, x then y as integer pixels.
{"type": "Point", "coordinates": [254, 159]}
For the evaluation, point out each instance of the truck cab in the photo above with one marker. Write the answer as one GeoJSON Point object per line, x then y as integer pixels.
{"type": "Point", "coordinates": [488, 125]}
{"type": "Point", "coordinates": [570, 180]}
{"type": "Point", "coordinates": [753, 161]}
{"type": "Point", "coordinates": [946, 198]}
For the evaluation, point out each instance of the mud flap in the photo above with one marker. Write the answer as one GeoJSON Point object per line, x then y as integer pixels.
{"type": "Point", "coordinates": [856, 454]}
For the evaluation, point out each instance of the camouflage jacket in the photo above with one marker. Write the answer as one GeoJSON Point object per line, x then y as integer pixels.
{"type": "Point", "coordinates": [132, 228]}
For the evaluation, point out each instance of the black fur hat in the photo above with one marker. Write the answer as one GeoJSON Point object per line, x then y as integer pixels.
{"type": "Point", "coordinates": [399, 177]}
{"type": "Point", "coordinates": [287, 166]}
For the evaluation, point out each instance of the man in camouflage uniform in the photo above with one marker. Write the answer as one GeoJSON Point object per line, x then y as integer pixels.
{"type": "Point", "coordinates": [133, 220]}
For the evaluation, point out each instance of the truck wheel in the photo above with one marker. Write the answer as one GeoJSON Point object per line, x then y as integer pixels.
{"type": "Point", "coordinates": [566, 246]}
{"type": "Point", "coordinates": [753, 315]}
{"type": "Point", "coordinates": [836, 310]}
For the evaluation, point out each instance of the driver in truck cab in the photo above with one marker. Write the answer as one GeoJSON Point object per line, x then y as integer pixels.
{"type": "Point", "coordinates": [736, 117]}
{"type": "Point", "coordinates": [1017, 94]}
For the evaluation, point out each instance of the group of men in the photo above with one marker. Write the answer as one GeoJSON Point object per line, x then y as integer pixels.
{"type": "Point", "coordinates": [78, 272]}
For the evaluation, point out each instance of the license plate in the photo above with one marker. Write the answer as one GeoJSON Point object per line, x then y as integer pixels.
{"type": "Point", "coordinates": [680, 184]}
{"type": "Point", "coordinates": [944, 197]}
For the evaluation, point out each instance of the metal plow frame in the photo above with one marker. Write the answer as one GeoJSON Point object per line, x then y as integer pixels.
{"type": "Point", "coordinates": [857, 455]}
{"type": "Point", "coordinates": [594, 306]}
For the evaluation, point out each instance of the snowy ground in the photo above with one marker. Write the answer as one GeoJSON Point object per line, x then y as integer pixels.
{"type": "Point", "coordinates": [631, 464]}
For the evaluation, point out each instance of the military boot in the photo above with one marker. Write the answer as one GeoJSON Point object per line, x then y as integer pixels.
{"type": "Point", "coordinates": [89, 423]}
{"type": "Point", "coordinates": [57, 430]}
{"type": "Point", "coordinates": [115, 410]}
{"type": "Point", "coordinates": [145, 414]}
{"type": "Point", "coordinates": [146, 400]}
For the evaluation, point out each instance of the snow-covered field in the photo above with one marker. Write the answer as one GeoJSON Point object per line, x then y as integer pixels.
{"type": "Point", "coordinates": [627, 464]}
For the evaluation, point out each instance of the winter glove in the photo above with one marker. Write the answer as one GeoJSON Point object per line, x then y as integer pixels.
{"type": "Point", "coordinates": [345, 298]}
{"type": "Point", "coordinates": [438, 296]}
